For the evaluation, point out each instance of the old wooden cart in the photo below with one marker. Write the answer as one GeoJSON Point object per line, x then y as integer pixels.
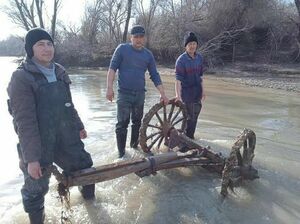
{"type": "Point", "coordinates": [162, 138]}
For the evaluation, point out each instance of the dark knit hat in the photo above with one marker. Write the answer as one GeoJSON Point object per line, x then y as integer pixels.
{"type": "Point", "coordinates": [137, 30]}
{"type": "Point", "coordinates": [34, 35]}
{"type": "Point", "coordinates": [189, 37]}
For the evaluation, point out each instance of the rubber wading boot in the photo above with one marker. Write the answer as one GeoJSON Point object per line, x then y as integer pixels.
{"type": "Point", "coordinates": [121, 152]}
{"type": "Point", "coordinates": [37, 217]}
{"type": "Point", "coordinates": [87, 191]}
{"type": "Point", "coordinates": [183, 148]}
{"type": "Point", "coordinates": [134, 144]}
{"type": "Point", "coordinates": [134, 141]}
{"type": "Point", "coordinates": [121, 142]}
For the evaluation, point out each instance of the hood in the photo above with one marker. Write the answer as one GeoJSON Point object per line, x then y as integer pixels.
{"type": "Point", "coordinates": [61, 74]}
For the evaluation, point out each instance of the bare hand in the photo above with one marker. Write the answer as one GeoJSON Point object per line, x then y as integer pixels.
{"type": "Point", "coordinates": [110, 94]}
{"type": "Point", "coordinates": [34, 170]}
{"type": "Point", "coordinates": [83, 134]}
{"type": "Point", "coordinates": [178, 99]}
{"type": "Point", "coordinates": [164, 99]}
{"type": "Point", "coordinates": [203, 96]}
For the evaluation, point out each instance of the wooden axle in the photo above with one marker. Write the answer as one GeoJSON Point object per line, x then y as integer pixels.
{"type": "Point", "coordinates": [118, 169]}
{"type": "Point", "coordinates": [234, 169]}
{"type": "Point", "coordinates": [142, 167]}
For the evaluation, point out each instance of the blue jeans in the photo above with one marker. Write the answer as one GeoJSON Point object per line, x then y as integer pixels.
{"type": "Point", "coordinates": [130, 105]}
{"type": "Point", "coordinates": [193, 111]}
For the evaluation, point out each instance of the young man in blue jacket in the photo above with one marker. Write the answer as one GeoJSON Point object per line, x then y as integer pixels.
{"type": "Point", "coordinates": [189, 84]}
{"type": "Point", "coordinates": [132, 60]}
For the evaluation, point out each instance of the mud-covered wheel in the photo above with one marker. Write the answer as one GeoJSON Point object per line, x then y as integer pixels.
{"type": "Point", "coordinates": [158, 122]}
{"type": "Point", "coordinates": [248, 148]}
{"type": "Point", "coordinates": [246, 141]}
{"type": "Point", "coordinates": [238, 166]}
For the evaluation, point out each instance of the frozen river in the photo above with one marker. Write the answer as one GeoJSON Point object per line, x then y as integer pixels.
{"type": "Point", "coordinates": [182, 195]}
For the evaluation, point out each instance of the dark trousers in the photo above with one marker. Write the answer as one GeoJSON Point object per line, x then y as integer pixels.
{"type": "Point", "coordinates": [34, 191]}
{"type": "Point", "coordinates": [193, 111]}
{"type": "Point", "coordinates": [130, 105]}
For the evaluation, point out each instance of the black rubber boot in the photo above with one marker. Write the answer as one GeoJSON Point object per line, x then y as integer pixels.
{"type": "Point", "coordinates": [121, 142]}
{"type": "Point", "coordinates": [87, 191]}
{"type": "Point", "coordinates": [134, 141]}
{"type": "Point", "coordinates": [183, 147]}
{"type": "Point", "coordinates": [37, 217]}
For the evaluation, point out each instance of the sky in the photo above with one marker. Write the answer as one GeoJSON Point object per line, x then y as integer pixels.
{"type": "Point", "coordinates": [71, 12]}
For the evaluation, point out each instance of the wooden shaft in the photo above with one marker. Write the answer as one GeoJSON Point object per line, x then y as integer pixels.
{"type": "Point", "coordinates": [214, 157]}
{"type": "Point", "coordinates": [115, 170]}
{"type": "Point", "coordinates": [184, 162]}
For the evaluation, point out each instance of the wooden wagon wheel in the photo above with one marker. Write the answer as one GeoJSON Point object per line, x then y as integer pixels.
{"type": "Point", "coordinates": [158, 123]}
{"type": "Point", "coordinates": [247, 141]}
{"type": "Point", "coordinates": [248, 148]}
{"type": "Point", "coordinates": [238, 166]}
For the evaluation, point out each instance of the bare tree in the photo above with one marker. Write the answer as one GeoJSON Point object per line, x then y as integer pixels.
{"type": "Point", "coordinates": [25, 13]}
{"type": "Point", "coordinates": [39, 9]}
{"type": "Point", "coordinates": [12, 46]}
{"type": "Point", "coordinates": [19, 12]}
{"type": "Point", "coordinates": [209, 48]}
{"type": "Point", "coordinates": [105, 18]}
{"type": "Point", "coordinates": [297, 3]}
{"type": "Point", "coordinates": [129, 6]}
{"type": "Point", "coordinates": [56, 6]}
{"type": "Point", "coordinates": [91, 22]}
{"type": "Point", "coordinates": [297, 22]}
{"type": "Point", "coordinates": [170, 22]}
{"type": "Point", "coordinates": [147, 16]}
{"type": "Point", "coordinates": [227, 29]}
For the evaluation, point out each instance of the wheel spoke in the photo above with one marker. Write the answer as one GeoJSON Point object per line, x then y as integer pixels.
{"type": "Point", "coordinates": [159, 118]}
{"type": "Point", "coordinates": [153, 142]}
{"type": "Point", "coordinates": [152, 135]}
{"type": "Point", "coordinates": [176, 115]}
{"type": "Point", "coordinates": [171, 112]}
{"type": "Point", "coordinates": [154, 126]}
{"type": "Point", "coordinates": [165, 113]}
{"type": "Point", "coordinates": [176, 122]}
{"type": "Point", "coordinates": [160, 141]}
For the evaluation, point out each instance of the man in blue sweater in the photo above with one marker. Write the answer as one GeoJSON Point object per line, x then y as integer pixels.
{"type": "Point", "coordinates": [189, 84]}
{"type": "Point", "coordinates": [132, 60]}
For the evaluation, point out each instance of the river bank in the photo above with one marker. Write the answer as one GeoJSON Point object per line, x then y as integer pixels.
{"type": "Point", "coordinates": [283, 77]}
